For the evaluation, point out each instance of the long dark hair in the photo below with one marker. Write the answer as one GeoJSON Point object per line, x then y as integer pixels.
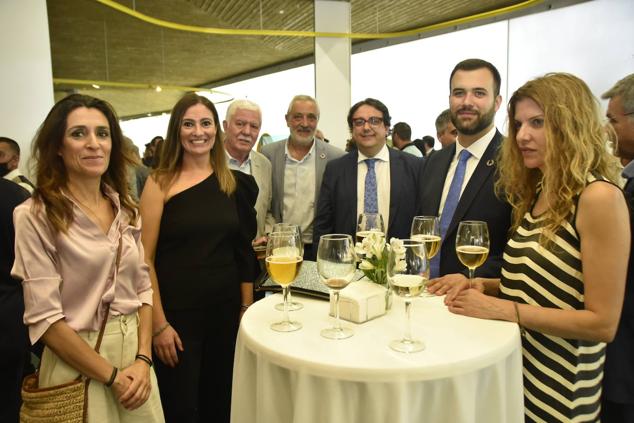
{"type": "Point", "coordinates": [171, 156]}
{"type": "Point", "coordinates": [51, 173]}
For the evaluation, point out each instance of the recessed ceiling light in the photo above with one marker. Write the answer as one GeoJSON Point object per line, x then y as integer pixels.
{"type": "Point", "coordinates": [158, 89]}
{"type": "Point", "coordinates": [96, 86]}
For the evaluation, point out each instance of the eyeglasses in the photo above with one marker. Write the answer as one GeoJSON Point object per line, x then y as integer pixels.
{"type": "Point", "coordinates": [373, 121]}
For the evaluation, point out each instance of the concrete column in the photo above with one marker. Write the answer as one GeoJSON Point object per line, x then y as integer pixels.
{"type": "Point", "coordinates": [332, 69]}
{"type": "Point", "coordinates": [26, 75]}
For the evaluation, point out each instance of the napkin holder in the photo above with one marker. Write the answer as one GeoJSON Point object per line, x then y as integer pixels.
{"type": "Point", "coordinates": [360, 301]}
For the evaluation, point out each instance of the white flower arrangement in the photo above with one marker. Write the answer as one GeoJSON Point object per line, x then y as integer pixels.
{"type": "Point", "coordinates": [374, 253]}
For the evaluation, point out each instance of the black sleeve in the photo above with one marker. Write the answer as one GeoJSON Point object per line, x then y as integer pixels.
{"type": "Point", "coordinates": [245, 195]}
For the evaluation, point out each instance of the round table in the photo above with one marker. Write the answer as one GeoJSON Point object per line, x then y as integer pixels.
{"type": "Point", "coordinates": [470, 371]}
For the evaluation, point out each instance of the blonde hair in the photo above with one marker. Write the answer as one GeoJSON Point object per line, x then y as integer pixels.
{"type": "Point", "coordinates": [575, 148]}
{"type": "Point", "coordinates": [171, 157]}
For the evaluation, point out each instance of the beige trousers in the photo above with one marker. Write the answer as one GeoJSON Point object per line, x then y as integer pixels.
{"type": "Point", "coordinates": [119, 346]}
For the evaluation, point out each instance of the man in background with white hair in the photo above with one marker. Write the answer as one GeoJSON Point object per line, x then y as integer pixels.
{"type": "Point", "coordinates": [242, 126]}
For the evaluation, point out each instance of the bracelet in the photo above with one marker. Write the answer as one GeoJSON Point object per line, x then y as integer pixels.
{"type": "Point", "coordinates": [113, 376]}
{"type": "Point", "coordinates": [519, 323]}
{"type": "Point", "coordinates": [160, 330]}
{"type": "Point", "coordinates": [245, 306]}
{"type": "Point", "coordinates": [145, 358]}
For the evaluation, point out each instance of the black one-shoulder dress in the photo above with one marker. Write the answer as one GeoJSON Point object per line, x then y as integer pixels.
{"type": "Point", "coordinates": [203, 253]}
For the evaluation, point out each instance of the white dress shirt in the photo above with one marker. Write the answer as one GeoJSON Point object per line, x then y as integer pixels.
{"type": "Point", "coordinates": [299, 192]}
{"type": "Point", "coordinates": [382, 169]}
{"type": "Point", "coordinates": [477, 150]}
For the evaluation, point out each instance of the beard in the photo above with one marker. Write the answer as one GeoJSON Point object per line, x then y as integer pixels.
{"type": "Point", "coordinates": [478, 125]}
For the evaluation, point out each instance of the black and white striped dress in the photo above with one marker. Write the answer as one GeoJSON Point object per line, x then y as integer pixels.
{"type": "Point", "coordinates": [562, 377]}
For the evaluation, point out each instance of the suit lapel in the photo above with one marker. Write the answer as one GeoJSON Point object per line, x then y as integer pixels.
{"type": "Point", "coordinates": [439, 174]}
{"type": "Point", "coordinates": [396, 175]}
{"type": "Point", "coordinates": [279, 177]}
{"type": "Point", "coordinates": [320, 165]}
{"type": "Point", "coordinates": [350, 189]}
{"type": "Point", "coordinates": [485, 169]}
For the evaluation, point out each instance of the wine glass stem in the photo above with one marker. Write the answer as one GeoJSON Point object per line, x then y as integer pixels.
{"type": "Point", "coordinates": [290, 299]}
{"type": "Point", "coordinates": [408, 327]}
{"type": "Point", "coordinates": [471, 272]}
{"type": "Point", "coordinates": [285, 293]}
{"type": "Point", "coordinates": [337, 321]}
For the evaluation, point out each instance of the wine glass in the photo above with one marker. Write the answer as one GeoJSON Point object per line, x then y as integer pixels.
{"type": "Point", "coordinates": [472, 245]}
{"type": "Point", "coordinates": [336, 264]}
{"type": "Point", "coordinates": [283, 262]}
{"type": "Point", "coordinates": [289, 227]}
{"type": "Point", "coordinates": [407, 272]}
{"type": "Point", "coordinates": [427, 230]}
{"type": "Point", "coordinates": [369, 222]}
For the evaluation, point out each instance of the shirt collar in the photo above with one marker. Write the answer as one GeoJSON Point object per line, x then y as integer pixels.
{"type": "Point", "coordinates": [383, 155]}
{"type": "Point", "coordinates": [478, 148]}
{"type": "Point", "coordinates": [306, 157]}
{"type": "Point", "coordinates": [236, 161]}
{"type": "Point", "coordinates": [628, 171]}
{"type": "Point", "coordinates": [13, 174]}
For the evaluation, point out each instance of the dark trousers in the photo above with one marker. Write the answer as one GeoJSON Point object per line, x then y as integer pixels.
{"type": "Point", "coordinates": [613, 412]}
{"type": "Point", "coordinates": [198, 389]}
{"type": "Point", "coordinates": [14, 351]}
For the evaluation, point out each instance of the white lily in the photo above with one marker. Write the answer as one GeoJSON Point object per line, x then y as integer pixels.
{"type": "Point", "coordinates": [366, 265]}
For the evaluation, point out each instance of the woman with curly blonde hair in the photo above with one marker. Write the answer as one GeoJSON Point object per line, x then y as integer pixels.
{"type": "Point", "coordinates": [564, 269]}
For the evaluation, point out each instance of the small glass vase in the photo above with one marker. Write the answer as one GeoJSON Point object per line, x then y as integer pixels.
{"type": "Point", "coordinates": [388, 297]}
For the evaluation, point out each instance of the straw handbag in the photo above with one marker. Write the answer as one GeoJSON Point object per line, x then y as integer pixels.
{"type": "Point", "coordinates": [65, 403]}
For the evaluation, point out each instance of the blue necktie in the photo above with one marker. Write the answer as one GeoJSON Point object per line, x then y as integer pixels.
{"type": "Point", "coordinates": [451, 202]}
{"type": "Point", "coordinates": [370, 202]}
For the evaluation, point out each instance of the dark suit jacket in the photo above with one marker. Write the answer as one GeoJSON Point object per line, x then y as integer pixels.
{"type": "Point", "coordinates": [618, 379]}
{"type": "Point", "coordinates": [337, 208]}
{"type": "Point", "coordinates": [477, 202]}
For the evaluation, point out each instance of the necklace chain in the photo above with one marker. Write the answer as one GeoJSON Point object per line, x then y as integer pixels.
{"type": "Point", "coordinates": [89, 209]}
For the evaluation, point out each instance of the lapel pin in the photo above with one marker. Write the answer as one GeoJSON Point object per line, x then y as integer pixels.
{"type": "Point", "coordinates": [490, 162]}
{"type": "Point", "coordinates": [322, 156]}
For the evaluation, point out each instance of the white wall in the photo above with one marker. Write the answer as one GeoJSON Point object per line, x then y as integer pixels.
{"type": "Point", "coordinates": [592, 40]}
{"type": "Point", "coordinates": [26, 76]}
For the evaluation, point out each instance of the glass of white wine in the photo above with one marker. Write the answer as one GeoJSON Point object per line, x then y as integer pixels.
{"type": "Point", "coordinates": [427, 230]}
{"type": "Point", "coordinates": [283, 261]}
{"type": "Point", "coordinates": [336, 264]}
{"type": "Point", "coordinates": [369, 222]}
{"type": "Point", "coordinates": [472, 245]}
{"type": "Point", "coordinates": [289, 227]}
{"type": "Point", "coordinates": [407, 272]}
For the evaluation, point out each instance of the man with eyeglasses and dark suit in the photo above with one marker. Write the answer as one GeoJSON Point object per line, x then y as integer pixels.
{"type": "Point", "coordinates": [371, 179]}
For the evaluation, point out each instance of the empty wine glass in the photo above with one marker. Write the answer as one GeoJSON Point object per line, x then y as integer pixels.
{"type": "Point", "coordinates": [369, 222]}
{"type": "Point", "coordinates": [283, 262]}
{"type": "Point", "coordinates": [427, 230]}
{"type": "Point", "coordinates": [289, 227]}
{"type": "Point", "coordinates": [407, 272]}
{"type": "Point", "coordinates": [472, 245]}
{"type": "Point", "coordinates": [336, 263]}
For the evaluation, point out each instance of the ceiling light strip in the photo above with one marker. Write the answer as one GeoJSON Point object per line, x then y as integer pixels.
{"type": "Point", "coordinates": [113, 84]}
{"type": "Point", "coordinates": [311, 34]}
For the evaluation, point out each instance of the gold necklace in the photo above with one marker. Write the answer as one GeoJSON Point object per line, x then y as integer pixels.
{"type": "Point", "coordinates": [92, 212]}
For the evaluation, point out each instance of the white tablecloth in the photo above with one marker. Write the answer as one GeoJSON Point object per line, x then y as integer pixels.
{"type": "Point", "coordinates": [471, 370]}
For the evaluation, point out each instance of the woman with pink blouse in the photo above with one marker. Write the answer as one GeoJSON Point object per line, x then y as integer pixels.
{"type": "Point", "coordinates": [68, 237]}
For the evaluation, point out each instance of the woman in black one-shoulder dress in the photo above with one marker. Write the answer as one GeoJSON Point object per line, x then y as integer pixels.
{"type": "Point", "coordinates": [198, 223]}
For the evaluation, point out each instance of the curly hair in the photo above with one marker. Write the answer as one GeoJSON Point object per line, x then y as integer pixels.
{"type": "Point", "coordinates": [171, 157]}
{"type": "Point", "coordinates": [51, 173]}
{"type": "Point", "coordinates": [575, 148]}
